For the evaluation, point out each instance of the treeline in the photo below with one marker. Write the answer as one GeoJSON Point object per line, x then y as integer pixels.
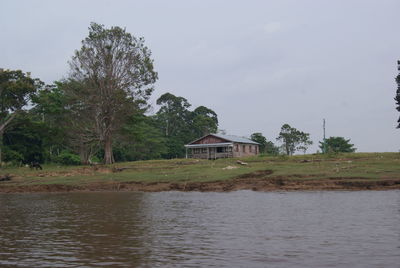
{"type": "Point", "coordinates": [55, 130]}
{"type": "Point", "coordinates": [99, 113]}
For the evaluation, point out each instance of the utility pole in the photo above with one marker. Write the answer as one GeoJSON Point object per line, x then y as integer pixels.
{"type": "Point", "coordinates": [324, 147]}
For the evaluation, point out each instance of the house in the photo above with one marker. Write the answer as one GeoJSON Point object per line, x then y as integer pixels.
{"type": "Point", "coordinates": [213, 146]}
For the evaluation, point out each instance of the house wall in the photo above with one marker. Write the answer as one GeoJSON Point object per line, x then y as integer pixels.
{"type": "Point", "coordinates": [210, 153]}
{"type": "Point", "coordinates": [242, 150]}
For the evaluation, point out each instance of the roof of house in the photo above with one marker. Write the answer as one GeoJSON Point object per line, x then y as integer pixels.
{"type": "Point", "coordinates": [230, 138]}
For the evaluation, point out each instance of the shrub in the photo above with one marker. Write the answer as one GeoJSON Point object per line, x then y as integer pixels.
{"type": "Point", "coordinates": [68, 158]}
{"type": "Point", "coordinates": [13, 157]}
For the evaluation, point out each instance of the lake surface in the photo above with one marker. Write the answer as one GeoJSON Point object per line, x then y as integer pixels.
{"type": "Point", "coordinates": [176, 229]}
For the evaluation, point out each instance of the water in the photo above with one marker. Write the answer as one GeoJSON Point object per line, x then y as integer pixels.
{"type": "Point", "coordinates": [175, 229]}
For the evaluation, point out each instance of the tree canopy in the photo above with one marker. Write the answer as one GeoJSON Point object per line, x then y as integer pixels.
{"type": "Point", "coordinates": [397, 98]}
{"type": "Point", "coordinates": [266, 146]}
{"type": "Point", "coordinates": [180, 125]}
{"type": "Point", "coordinates": [337, 145]}
{"type": "Point", "coordinates": [116, 72]}
{"type": "Point", "coordinates": [16, 90]}
{"type": "Point", "coordinates": [293, 139]}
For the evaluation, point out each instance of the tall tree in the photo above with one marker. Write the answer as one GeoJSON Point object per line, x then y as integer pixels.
{"type": "Point", "coordinates": [397, 98]}
{"type": "Point", "coordinates": [259, 138]}
{"type": "Point", "coordinates": [293, 139]}
{"type": "Point", "coordinates": [118, 72]}
{"type": "Point", "coordinates": [174, 120]}
{"type": "Point", "coordinates": [16, 89]}
{"type": "Point", "coordinates": [140, 139]}
{"type": "Point", "coordinates": [50, 107]}
{"type": "Point", "coordinates": [173, 114]}
{"type": "Point", "coordinates": [337, 145]}
{"type": "Point", "coordinates": [24, 139]}
{"type": "Point", "coordinates": [204, 121]}
{"type": "Point", "coordinates": [266, 147]}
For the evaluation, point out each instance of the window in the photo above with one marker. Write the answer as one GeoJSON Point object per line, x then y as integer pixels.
{"type": "Point", "coordinates": [221, 149]}
{"type": "Point", "coordinates": [243, 148]}
{"type": "Point", "coordinates": [236, 147]}
{"type": "Point", "coordinates": [204, 150]}
{"type": "Point", "coordinates": [250, 148]}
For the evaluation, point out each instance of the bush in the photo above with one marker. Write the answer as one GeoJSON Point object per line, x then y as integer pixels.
{"type": "Point", "coordinates": [13, 157]}
{"type": "Point", "coordinates": [68, 158]}
{"type": "Point", "coordinates": [95, 159]}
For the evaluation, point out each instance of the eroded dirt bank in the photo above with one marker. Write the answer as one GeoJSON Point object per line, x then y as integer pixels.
{"type": "Point", "coordinates": [255, 184]}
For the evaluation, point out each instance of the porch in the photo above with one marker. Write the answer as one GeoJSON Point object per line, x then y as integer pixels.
{"type": "Point", "coordinates": [209, 151]}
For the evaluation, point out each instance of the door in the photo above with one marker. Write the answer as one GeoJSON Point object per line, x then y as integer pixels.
{"type": "Point", "coordinates": [211, 153]}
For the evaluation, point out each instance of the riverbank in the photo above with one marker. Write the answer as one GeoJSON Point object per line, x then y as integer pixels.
{"type": "Point", "coordinates": [358, 171]}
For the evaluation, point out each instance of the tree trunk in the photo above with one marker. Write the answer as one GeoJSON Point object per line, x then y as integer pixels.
{"type": "Point", "coordinates": [83, 154]}
{"type": "Point", "coordinates": [1, 147]}
{"type": "Point", "coordinates": [108, 153]}
{"type": "Point", "coordinates": [287, 148]}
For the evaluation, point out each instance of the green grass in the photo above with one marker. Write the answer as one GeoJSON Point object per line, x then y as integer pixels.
{"type": "Point", "coordinates": [363, 166]}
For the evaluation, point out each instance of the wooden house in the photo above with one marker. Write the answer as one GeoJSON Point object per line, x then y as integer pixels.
{"type": "Point", "coordinates": [213, 146]}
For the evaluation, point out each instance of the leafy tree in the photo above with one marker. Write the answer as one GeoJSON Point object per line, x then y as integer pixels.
{"type": "Point", "coordinates": [24, 139]}
{"type": "Point", "coordinates": [50, 107]}
{"type": "Point", "coordinates": [173, 114]}
{"type": "Point", "coordinates": [293, 139]}
{"type": "Point", "coordinates": [64, 108]}
{"type": "Point", "coordinates": [16, 89]}
{"type": "Point", "coordinates": [174, 119]}
{"type": "Point", "coordinates": [140, 139]}
{"type": "Point", "coordinates": [205, 121]}
{"type": "Point", "coordinates": [271, 148]}
{"type": "Point", "coordinates": [117, 72]}
{"type": "Point", "coordinates": [337, 145]}
{"type": "Point", "coordinates": [259, 138]}
{"type": "Point", "coordinates": [81, 119]}
{"type": "Point", "coordinates": [397, 98]}
{"type": "Point", "coordinates": [180, 125]}
{"type": "Point", "coordinates": [266, 147]}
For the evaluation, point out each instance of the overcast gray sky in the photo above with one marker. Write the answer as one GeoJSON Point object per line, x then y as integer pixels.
{"type": "Point", "coordinates": [257, 64]}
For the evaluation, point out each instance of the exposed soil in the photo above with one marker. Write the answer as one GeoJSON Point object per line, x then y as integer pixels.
{"type": "Point", "coordinates": [256, 181]}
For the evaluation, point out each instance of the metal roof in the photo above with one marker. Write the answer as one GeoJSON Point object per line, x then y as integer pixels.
{"type": "Point", "coordinates": [230, 138]}
{"type": "Point", "coordinates": [235, 138]}
{"type": "Point", "coordinates": [223, 144]}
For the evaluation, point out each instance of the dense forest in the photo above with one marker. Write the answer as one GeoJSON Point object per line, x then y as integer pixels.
{"type": "Point", "coordinates": [54, 127]}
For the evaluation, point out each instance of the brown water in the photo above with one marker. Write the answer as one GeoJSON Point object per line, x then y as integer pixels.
{"type": "Point", "coordinates": [175, 229]}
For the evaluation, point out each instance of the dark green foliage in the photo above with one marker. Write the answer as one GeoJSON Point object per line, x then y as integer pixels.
{"type": "Point", "coordinates": [204, 121]}
{"type": "Point", "coordinates": [68, 158]}
{"type": "Point", "coordinates": [266, 147]}
{"type": "Point", "coordinates": [180, 125]}
{"type": "Point", "coordinates": [140, 139]}
{"type": "Point", "coordinates": [16, 89]}
{"type": "Point", "coordinates": [397, 98]}
{"type": "Point", "coordinates": [337, 145]}
{"type": "Point", "coordinates": [173, 115]}
{"type": "Point", "coordinates": [293, 139]}
{"type": "Point", "coordinates": [50, 108]}
{"type": "Point", "coordinates": [24, 140]}
{"type": "Point", "coordinates": [271, 148]}
{"type": "Point", "coordinates": [13, 157]}
{"type": "Point", "coordinates": [259, 138]}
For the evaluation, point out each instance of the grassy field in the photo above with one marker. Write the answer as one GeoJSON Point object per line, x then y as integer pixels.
{"type": "Point", "coordinates": [354, 167]}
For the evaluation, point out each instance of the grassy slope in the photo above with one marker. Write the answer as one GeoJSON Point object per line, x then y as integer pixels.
{"type": "Point", "coordinates": [359, 166]}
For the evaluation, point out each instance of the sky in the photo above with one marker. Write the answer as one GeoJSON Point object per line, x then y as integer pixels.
{"type": "Point", "coordinates": [257, 64]}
